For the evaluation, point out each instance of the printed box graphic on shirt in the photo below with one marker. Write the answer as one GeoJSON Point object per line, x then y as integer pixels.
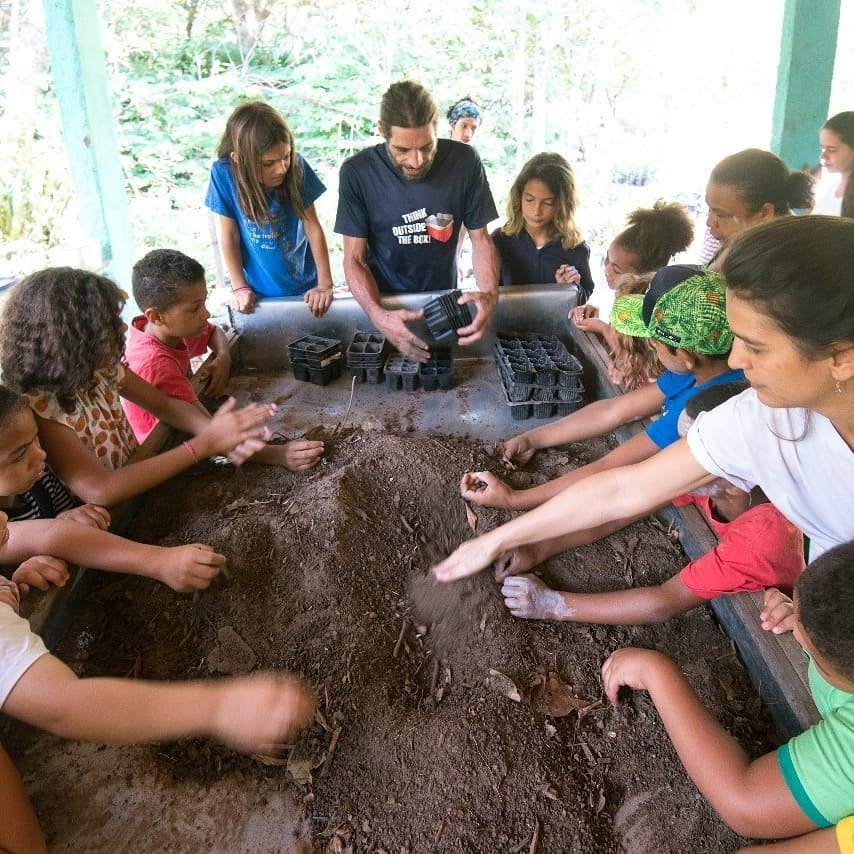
{"type": "Point", "coordinates": [418, 227]}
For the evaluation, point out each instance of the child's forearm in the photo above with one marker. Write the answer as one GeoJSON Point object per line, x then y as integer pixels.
{"type": "Point", "coordinates": [320, 251]}
{"type": "Point", "coordinates": [111, 711]}
{"type": "Point", "coordinates": [635, 607]}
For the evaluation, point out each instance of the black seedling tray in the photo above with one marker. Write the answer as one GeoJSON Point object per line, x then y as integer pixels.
{"type": "Point", "coordinates": [436, 372]}
{"type": "Point", "coordinates": [444, 316]}
{"type": "Point", "coordinates": [314, 352]}
{"type": "Point", "coordinates": [365, 357]}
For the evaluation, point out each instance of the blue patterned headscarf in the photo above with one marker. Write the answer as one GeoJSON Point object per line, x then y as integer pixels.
{"type": "Point", "coordinates": [463, 109]}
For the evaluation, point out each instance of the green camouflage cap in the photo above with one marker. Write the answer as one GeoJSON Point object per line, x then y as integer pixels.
{"type": "Point", "coordinates": [691, 315]}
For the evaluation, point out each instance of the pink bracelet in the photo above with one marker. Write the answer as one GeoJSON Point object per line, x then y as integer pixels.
{"type": "Point", "coordinates": [191, 451]}
{"type": "Point", "coordinates": [238, 290]}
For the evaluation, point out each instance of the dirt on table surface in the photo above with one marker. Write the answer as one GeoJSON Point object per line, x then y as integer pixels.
{"type": "Point", "coordinates": [449, 727]}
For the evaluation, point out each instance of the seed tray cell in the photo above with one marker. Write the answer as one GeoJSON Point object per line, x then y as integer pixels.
{"type": "Point", "coordinates": [367, 350]}
{"type": "Point", "coordinates": [444, 316]}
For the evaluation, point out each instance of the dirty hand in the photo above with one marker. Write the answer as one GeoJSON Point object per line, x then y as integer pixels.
{"type": "Point", "coordinates": [261, 713]}
{"type": "Point", "coordinates": [40, 571]}
{"type": "Point", "coordinates": [777, 614]}
{"type": "Point", "coordinates": [243, 300]}
{"type": "Point", "coordinates": [630, 667]}
{"type": "Point", "coordinates": [566, 274]}
{"type": "Point", "coordinates": [486, 490]}
{"type": "Point", "coordinates": [470, 557]}
{"type": "Point", "coordinates": [188, 568]}
{"type": "Point", "coordinates": [9, 593]}
{"type": "Point", "coordinates": [88, 514]}
{"type": "Point", "coordinates": [484, 303]}
{"type": "Point", "coordinates": [515, 561]}
{"type": "Point", "coordinates": [393, 325]}
{"type": "Point", "coordinates": [318, 300]}
{"type": "Point", "coordinates": [517, 451]}
{"type": "Point", "coordinates": [527, 597]}
{"type": "Point", "coordinates": [236, 432]}
{"type": "Point", "coordinates": [214, 375]}
{"type": "Point", "coordinates": [302, 454]}
{"type": "Point", "coordinates": [583, 312]}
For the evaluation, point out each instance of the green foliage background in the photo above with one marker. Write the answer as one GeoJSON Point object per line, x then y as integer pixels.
{"type": "Point", "coordinates": [641, 97]}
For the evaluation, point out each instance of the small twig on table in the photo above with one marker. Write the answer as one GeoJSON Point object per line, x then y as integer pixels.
{"type": "Point", "coordinates": [329, 753]}
{"type": "Point", "coordinates": [535, 839]}
{"type": "Point", "coordinates": [399, 643]}
{"type": "Point", "coordinates": [340, 424]}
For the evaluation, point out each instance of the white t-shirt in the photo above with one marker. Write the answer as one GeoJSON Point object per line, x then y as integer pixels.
{"type": "Point", "coordinates": [826, 200]}
{"type": "Point", "coordinates": [19, 648]}
{"type": "Point", "coordinates": [802, 464]}
{"type": "Point", "coordinates": [603, 298]}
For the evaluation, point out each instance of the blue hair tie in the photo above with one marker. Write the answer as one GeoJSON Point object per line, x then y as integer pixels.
{"type": "Point", "coordinates": [464, 109]}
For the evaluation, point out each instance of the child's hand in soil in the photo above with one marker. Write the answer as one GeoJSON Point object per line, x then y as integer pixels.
{"type": "Point", "coordinates": [237, 432]}
{"type": "Point", "coordinates": [9, 593]}
{"type": "Point", "coordinates": [40, 571]}
{"type": "Point", "coordinates": [529, 598]}
{"type": "Point", "coordinates": [633, 668]}
{"type": "Point", "coordinates": [214, 375]}
{"type": "Point", "coordinates": [301, 454]}
{"type": "Point", "coordinates": [261, 713]}
{"type": "Point", "coordinates": [517, 451]}
{"type": "Point", "coordinates": [485, 489]}
{"type": "Point", "coordinates": [186, 568]}
{"type": "Point", "coordinates": [88, 514]}
{"type": "Point", "coordinates": [777, 613]}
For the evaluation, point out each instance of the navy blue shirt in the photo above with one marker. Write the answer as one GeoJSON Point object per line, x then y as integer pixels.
{"type": "Point", "coordinates": [677, 390]}
{"type": "Point", "coordinates": [412, 227]}
{"type": "Point", "coordinates": [523, 264]}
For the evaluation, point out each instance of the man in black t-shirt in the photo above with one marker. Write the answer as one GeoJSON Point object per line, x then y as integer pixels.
{"type": "Point", "coordinates": [401, 205]}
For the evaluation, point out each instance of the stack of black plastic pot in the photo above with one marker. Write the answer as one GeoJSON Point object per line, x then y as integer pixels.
{"type": "Point", "coordinates": [541, 378]}
{"type": "Point", "coordinates": [365, 357]}
{"type": "Point", "coordinates": [444, 316]}
{"type": "Point", "coordinates": [317, 360]}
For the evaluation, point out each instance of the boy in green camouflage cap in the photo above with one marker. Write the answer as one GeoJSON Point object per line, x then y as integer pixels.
{"type": "Point", "coordinates": [681, 313]}
{"type": "Point", "coordinates": [684, 315]}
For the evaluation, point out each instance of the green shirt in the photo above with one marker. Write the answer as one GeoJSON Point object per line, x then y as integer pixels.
{"type": "Point", "coordinates": [818, 765]}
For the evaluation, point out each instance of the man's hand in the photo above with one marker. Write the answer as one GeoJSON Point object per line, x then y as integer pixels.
{"type": "Point", "coordinates": [40, 571]}
{"type": "Point", "coordinates": [243, 300]}
{"type": "Point", "coordinates": [393, 325]}
{"type": "Point", "coordinates": [214, 375]}
{"type": "Point", "coordinates": [631, 667]}
{"type": "Point", "coordinates": [517, 451]}
{"type": "Point", "coordinates": [778, 612]}
{"type": "Point", "coordinates": [470, 557]}
{"type": "Point", "coordinates": [485, 302]}
{"type": "Point", "coordinates": [318, 300]}
{"type": "Point", "coordinates": [88, 514]}
{"type": "Point", "coordinates": [485, 489]}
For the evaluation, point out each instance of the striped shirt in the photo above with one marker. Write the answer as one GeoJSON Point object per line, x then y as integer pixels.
{"type": "Point", "coordinates": [47, 498]}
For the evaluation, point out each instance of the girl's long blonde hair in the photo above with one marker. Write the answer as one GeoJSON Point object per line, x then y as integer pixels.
{"type": "Point", "coordinates": [251, 130]}
{"type": "Point", "coordinates": [556, 173]}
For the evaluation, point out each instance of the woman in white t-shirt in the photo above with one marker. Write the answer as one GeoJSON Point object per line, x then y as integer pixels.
{"type": "Point", "coordinates": [834, 193]}
{"type": "Point", "coordinates": [790, 303]}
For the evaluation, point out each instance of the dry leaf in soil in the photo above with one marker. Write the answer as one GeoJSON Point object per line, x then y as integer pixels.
{"type": "Point", "coordinates": [503, 685]}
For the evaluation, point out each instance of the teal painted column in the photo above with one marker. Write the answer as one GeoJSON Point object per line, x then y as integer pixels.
{"type": "Point", "coordinates": [77, 63]}
{"type": "Point", "coordinates": [807, 55]}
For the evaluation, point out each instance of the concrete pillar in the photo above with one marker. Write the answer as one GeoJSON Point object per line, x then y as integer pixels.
{"type": "Point", "coordinates": [77, 61]}
{"type": "Point", "coordinates": [807, 56]}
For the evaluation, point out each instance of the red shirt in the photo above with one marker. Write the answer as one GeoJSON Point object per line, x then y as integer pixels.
{"type": "Point", "coordinates": [758, 549]}
{"type": "Point", "coordinates": [166, 368]}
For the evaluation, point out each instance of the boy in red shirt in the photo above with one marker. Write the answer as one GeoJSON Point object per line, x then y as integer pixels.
{"type": "Point", "coordinates": [758, 548]}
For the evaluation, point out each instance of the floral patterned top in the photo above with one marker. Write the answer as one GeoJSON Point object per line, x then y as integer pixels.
{"type": "Point", "coordinates": [98, 418]}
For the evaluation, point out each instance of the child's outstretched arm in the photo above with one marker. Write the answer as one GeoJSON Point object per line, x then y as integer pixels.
{"type": "Point", "coordinates": [237, 432]}
{"type": "Point", "coordinates": [622, 493]}
{"type": "Point", "coordinates": [318, 298]}
{"type": "Point", "coordinates": [590, 421]}
{"type": "Point", "coordinates": [255, 713]}
{"type": "Point", "coordinates": [485, 489]}
{"type": "Point", "coordinates": [751, 797]}
{"type": "Point", "coordinates": [183, 568]}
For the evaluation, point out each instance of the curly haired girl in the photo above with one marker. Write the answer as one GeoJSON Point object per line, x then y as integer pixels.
{"type": "Point", "coordinates": [263, 195]}
{"type": "Point", "coordinates": [653, 236]}
{"type": "Point", "coordinates": [61, 341]}
{"type": "Point", "coordinates": [540, 242]}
